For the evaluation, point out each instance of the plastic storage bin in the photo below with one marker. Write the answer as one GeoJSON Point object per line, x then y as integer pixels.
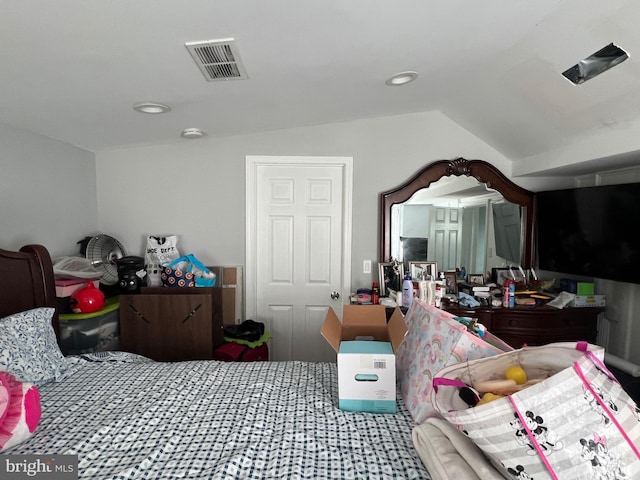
{"type": "Point", "coordinates": [91, 332]}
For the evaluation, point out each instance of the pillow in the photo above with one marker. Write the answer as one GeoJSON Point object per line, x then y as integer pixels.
{"type": "Point", "coordinates": [28, 347]}
{"type": "Point", "coordinates": [20, 410]}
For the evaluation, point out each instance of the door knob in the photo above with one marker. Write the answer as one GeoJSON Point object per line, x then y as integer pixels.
{"type": "Point", "coordinates": [335, 295]}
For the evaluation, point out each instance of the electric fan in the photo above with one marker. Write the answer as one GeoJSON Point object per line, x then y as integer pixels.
{"type": "Point", "coordinates": [103, 251]}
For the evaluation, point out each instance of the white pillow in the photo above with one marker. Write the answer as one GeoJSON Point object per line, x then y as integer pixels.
{"type": "Point", "coordinates": [28, 347]}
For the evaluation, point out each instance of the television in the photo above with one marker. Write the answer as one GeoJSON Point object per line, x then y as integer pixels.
{"type": "Point", "coordinates": [590, 232]}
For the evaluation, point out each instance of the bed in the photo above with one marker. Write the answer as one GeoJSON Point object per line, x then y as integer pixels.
{"type": "Point", "coordinates": [125, 416]}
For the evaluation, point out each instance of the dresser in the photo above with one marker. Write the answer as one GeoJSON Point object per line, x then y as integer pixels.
{"type": "Point", "coordinates": [172, 324]}
{"type": "Point", "coordinates": [535, 326]}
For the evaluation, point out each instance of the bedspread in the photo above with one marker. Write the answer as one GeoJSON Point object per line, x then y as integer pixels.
{"type": "Point", "coordinates": [127, 417]}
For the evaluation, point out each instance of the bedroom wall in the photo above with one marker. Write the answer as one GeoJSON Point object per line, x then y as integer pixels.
{"type": "Point", "coordinates": [195, 188]}
{"type": "Point", "coordinates": [47, 192]}
{"type": "Point", "coordinates": [51, 192]}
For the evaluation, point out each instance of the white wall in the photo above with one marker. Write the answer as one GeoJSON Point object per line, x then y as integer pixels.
{"type": "Point", "coordinates": [195, 188]}
{"type": "Point", "coordinates": [47, 192]}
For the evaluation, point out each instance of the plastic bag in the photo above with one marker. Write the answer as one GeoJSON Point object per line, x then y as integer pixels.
{"type": "Point", "coordinates": [75, 267]}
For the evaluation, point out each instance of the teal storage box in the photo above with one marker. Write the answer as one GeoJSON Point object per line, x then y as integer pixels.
{"type": "Point", "coordinates": [365, 344]}
{"type": "Point", "coordinates": [91, 332]}
{"type": "Point", "coordinates": [367, 381]}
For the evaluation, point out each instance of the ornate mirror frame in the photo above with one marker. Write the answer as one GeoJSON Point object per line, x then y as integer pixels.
{"type": "Point", "coordinates": [482, 171]}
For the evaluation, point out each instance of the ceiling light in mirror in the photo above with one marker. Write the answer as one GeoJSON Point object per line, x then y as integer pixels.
{"type": "Point", "coordinates": [402, 78]}
{"type": "Point", "coordinates": [192, 133]}
{"type": "Point", "coordinates": [151, 107]}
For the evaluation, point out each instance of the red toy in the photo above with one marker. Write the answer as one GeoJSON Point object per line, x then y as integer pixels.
{"type": "Point", "coordinates": [88, 299]}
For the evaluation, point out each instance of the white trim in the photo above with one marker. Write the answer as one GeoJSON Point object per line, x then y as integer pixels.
{"type": "Point", "coordinates": [251, 164]}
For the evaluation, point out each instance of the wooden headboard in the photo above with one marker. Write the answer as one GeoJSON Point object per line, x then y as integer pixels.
{"type": "Point", "coordinates": [26, 281]}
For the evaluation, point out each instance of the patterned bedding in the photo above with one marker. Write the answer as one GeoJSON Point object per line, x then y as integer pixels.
{"type": "Point", "coordinates": [127, 417]}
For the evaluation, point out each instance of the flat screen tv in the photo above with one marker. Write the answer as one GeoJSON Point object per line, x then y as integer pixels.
{"type": "Point", "coordinates": [590, 232]}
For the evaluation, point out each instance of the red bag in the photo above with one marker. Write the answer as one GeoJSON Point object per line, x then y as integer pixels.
{"type": "Point", "coordinates": [237, 352]}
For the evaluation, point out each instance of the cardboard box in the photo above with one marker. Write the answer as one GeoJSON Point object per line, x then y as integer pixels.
{"type": "Point", "coordinates": [229, 279]}
{"type": "Point", "coordinates": [366, 344]}
{"type": "Point", "coordinates": [588, 301]}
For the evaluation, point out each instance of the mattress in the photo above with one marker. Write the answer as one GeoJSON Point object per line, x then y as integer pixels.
{"type": "Point", "coordinates": [127, 417]}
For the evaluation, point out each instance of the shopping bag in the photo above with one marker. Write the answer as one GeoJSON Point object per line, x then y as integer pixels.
{"type": "Point", "coordinates": [576, 423]}
{"type": "Point", "coordinates": [187, 271]}
{"type": "Point", "coordinates": [161, 250]}
{"type": "Point", "coordinates": [433, 341]}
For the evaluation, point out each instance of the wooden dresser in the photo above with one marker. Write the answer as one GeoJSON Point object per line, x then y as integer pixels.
{"type": "Point", "coordinates": [535, 326]}
{"type": "Point", "coordinates": [172, 324]}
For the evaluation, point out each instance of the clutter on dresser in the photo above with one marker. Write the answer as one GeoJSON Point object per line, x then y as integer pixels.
{"type": "Point", "coordinates": [187, 271]}
{"type": "Point", "coordinates": [132, 274]}
{"type": "Point", "coordinates": [161, 250]}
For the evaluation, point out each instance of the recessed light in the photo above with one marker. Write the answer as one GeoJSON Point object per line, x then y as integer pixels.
{"type": "Point", "coordinates": [192, 133]}
{"type": "Point", "coordinates": [402, 78]}
{"type": "Point", "coordinates": [150, 107]}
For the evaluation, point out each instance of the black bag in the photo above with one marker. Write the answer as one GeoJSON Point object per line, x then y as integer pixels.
{"type": "Point", "coordinates": [248, 330]}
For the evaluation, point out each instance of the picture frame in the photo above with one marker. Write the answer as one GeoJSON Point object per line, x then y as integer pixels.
{"type": "Point", "coordinates": [390, 276]}
{"type": "Point", "coordinates": [477, 278]}
{"type": "Point", "coordinates": [451, 280]}
{"type": "Point", "coordinates": [501, 275]}
{"type": "Point", "coordinates": [423, 270]}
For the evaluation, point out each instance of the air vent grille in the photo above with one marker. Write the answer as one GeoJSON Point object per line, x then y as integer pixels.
{"type": "Point", "coordinates": [217, 59]}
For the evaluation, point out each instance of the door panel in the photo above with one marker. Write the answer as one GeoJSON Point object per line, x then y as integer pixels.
{"type": "Point", "coordinates": [299, 239]}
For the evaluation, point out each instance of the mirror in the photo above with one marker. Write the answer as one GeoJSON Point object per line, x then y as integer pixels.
{"type": "Point", "coordinates": [475, 200]}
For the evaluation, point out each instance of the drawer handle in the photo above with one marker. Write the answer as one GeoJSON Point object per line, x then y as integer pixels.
{"type": "Point", "coordinates": [192, 313]}
{"type": "Point", "coordinates": [138, 313]}
{"type": "Point", "coordinates": [513, 323]}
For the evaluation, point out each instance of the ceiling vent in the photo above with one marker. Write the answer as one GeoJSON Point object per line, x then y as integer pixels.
{"type": "Point", "coordinates": [217, 59]}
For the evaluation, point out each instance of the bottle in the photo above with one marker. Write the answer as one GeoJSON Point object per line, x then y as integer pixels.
{"type": "Point", "coordinates": [512, 294]}
{"type": "Point", "coordinates": [509, 294]}
{"type": "Point", "coordinates": [505, 294]}
{"type": "Point", "coordinates": [375, 293]}
{"type": "Point", "coordinates": [438, 295]}
{"type": "Point", "coordinates": [407, 291]}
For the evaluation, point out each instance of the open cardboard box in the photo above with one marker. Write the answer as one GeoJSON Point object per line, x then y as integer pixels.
{"type": "Point", "coordinates": [366, 344]}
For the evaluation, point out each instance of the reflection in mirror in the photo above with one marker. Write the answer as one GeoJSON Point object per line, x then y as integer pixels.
{"type": "Point", "coordinates": [458, 213]}
{"type": "Point", "coordinates": [470, 225]}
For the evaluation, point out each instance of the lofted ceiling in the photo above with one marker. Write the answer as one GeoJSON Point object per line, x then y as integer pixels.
{"type": "Point", "coordinates": [73, 69]}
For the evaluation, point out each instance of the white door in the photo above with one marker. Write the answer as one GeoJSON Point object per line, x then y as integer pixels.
{"type": "Point", "coordinates": [298, 249]}
{"type": "Point", "coordinates": [444, 238]}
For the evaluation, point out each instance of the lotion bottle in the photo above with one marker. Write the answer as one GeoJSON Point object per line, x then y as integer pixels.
{"type": "Point", "coordinates": [407, 291]}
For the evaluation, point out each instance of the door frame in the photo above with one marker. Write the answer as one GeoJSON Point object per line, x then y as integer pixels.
{"type": "Point", "coordinates": [252, 162]}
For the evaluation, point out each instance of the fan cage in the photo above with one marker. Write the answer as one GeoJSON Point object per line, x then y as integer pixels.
{"type": "Point", "coordinates": [103, 251]}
